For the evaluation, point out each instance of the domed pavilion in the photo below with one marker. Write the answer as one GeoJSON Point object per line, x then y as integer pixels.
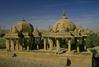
{"type": "Point", "coordinates": [64, 42]}
{"type": "Point", "coordinates": [20, 36]}
{"type": "Point", "coordinates": [63, 36]}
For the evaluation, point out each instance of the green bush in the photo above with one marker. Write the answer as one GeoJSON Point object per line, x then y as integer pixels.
{"type": "Point", "coordinates": [92, 40]}
{"type": "Point", "coordinates": [2, 43]}
{"type": "Point", "coordinates": [2, 34]}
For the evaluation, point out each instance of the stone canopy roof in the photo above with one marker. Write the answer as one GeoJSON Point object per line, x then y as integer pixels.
{"type": "Point", "coordinates": [64, 25]}
{"type": "Point", "coordinates": [23, 26]}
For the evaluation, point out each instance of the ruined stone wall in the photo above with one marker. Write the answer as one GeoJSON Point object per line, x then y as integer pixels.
{"type": "Point", "coordinates": [19, 63]}
{"type": "Point", "coordinates": [30, 59]}
{"type": "Point", "coordinates": [81, 60]}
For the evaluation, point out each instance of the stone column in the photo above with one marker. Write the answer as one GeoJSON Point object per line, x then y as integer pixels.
{"type": "Point", "coordinates": [45, 40]}
{"type": "Point", "coordinates": [58, 45]}
{"type": "Point", "coordinates": [50, 44]}
{"type": "Point", "coordinates": [7, 44]}
{"type": "Point", "coordinates": [27, 45]}
{"type": "Point", "coordinates": [78, 49]}
{"type": "Point", "coordinates": [27, 48]}
{"type": "Point", "coordinates": [17, 45]}
{"type": "Point", "coordinates": [85, 48]}
{"type": "Point", "coordinates": [12, 45]}
{"type": "Point", "coordinates": [21, 48]}
{"type": "Point", "coordinates": [69, 45]}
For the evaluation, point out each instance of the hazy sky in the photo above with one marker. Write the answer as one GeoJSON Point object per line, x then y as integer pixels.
{"type": "Point", "coordinates": [42, 13]}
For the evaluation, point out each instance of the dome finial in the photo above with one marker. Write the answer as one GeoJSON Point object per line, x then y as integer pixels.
{"type": "Point", "coordinates": [36, 29]}
{"type": "Point", "coordinates": [23, 19]}
{"type": "Point", "coordinates": [64, 15]}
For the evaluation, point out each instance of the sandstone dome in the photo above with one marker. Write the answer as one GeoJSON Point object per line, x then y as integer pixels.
{"type": "Point", "coordinates": [63, 25]}
{"type": "Point", "coordinates": [23, 26]}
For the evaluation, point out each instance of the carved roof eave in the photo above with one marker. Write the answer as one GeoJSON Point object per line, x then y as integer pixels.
{"type": "Point", "coordinates": [15, 35]}
{"type": "Point", "coordinates": [49, 34]}
{"type": "Point", "coordinates": [63, 35]}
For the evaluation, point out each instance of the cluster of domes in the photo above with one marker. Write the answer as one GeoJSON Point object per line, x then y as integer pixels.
{"type": "Point", "coordinates": [23, 26]}
{"type": "Point", "coordinates": [64, 25]}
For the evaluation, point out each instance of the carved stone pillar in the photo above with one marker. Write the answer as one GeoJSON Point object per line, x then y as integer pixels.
{"type": "Point", "coordinates": [27, 48]}
{"type": "Point", "coordinates": [58, 45]}
{"type": "Point", "coordinates": [12, 45]}
{"type": "Point", "coordinates": [45, 42]}
{"type": "Point", "coordinates": [50, 44]}
{"type": "Point", "coordinates": [85, 48]}
{"type": "Point", "coordinates": [17, 45]}
{"type": "Point", "coordinates": [7, 44]}
{"type": "Point", "coordinates": [78, 49]}
{"type": "Point", "coordinates": [27, 45]}
{"type": "Point", "coordinates": [21, 48]}
{"type": "Point", "coordinates": [69, 45]}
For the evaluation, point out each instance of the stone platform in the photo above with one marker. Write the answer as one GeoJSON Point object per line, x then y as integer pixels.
{"type": "Point", "coordinates": [42, 59]}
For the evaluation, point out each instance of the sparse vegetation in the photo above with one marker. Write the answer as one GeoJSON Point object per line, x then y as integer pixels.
{"type": "Point", "coordinates": [92, 40]}
{"type": "Point", "coordinates": [2, 43]}
{"type": "Point", "coordinates": [2, 40]}
{"type": "Point", "coordinates": [2, 34]}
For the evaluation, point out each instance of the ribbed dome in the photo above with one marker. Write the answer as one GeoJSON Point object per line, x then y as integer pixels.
{"type": "Point", "coordinates": [63, 25]}
{"type": "Point", "coordinates": [23, 26]}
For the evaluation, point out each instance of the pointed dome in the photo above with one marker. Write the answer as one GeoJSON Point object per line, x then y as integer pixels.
{"type": "Point", "coordinates": [64, 25]}
{"type": "Point", "coordinates": [23, 26]}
